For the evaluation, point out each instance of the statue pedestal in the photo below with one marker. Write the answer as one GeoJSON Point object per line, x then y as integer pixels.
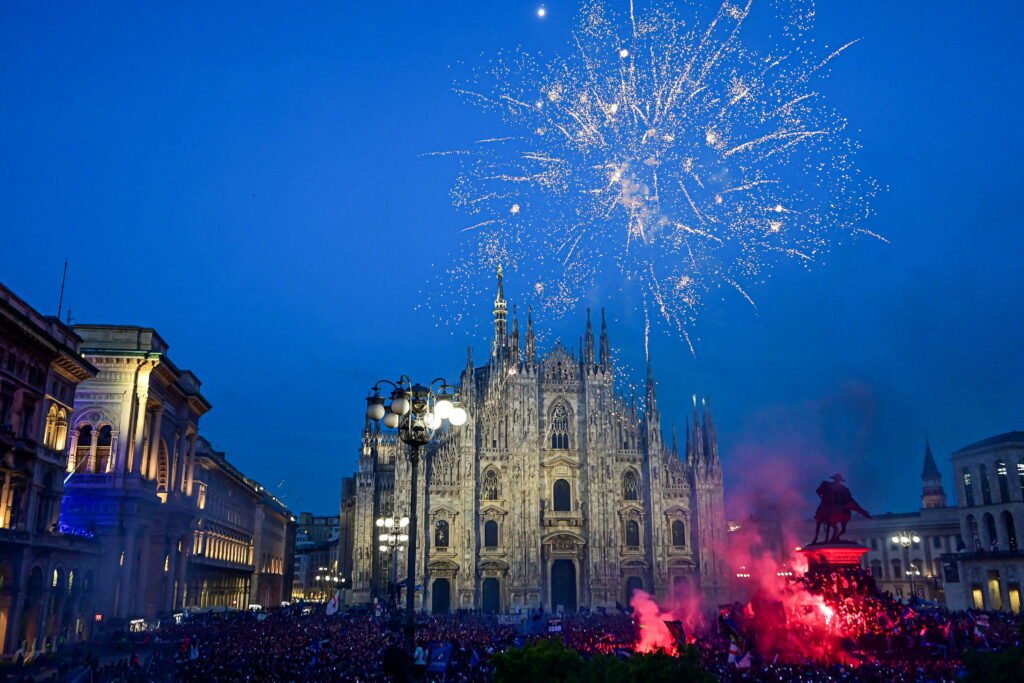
{"type": "Point", "coordinates": [830, 556]}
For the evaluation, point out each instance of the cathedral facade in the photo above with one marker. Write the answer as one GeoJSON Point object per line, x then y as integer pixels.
{"type": "Point", "coordinates": [556, 493]}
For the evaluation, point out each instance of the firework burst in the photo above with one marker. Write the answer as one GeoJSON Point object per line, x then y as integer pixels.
{"type": "Point", "coordinates": [665, 148]}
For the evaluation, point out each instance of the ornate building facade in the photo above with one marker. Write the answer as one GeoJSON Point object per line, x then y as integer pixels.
{"type": "Point", "coordinates": [179, 526]}
{"type": "Point", "coordinates": [47, 570]}
{"type": "Point", "coordinates": [990, 496]}
{"type": "Point", "coordinates": [558, 492]}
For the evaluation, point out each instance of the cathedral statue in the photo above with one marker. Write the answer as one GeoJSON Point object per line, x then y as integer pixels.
{"type": "Point", "coordinates": [835, 510]}
{"type": "Point", "coordinates": [559, 493]}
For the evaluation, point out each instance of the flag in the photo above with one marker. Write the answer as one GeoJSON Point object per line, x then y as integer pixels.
{"type": "Point", "coordinates": [678, 632]}
{"type": "Point", "coordinates": [744, 662]}
{"type": "Point", "coordinates": [332, 605]}
{"type": "Point", "coordinates": [440, 657]}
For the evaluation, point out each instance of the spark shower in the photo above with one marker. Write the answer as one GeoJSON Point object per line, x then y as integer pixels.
{"type": "Point", "coordinates": [685, 155]}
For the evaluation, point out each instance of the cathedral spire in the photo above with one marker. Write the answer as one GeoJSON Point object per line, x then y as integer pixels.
{"type": "Point", "coordinates": [588, 348]}
{"type": "Point", "coordinates": [710, 438]}
{"type": "Point", "coordinates": [531, 342]}
{"type": "Point", "coordinates": [499, 347]}
{"type": "Point", "coordinates": [652, 400]}
{"type": "Point", "coordinates": [515, 336]}
{"type": "Point", "coordinates": [933, 495]}
{"type": "Point", "coordinates": [606, 351]}
{"type": "Point", "coordinates": [675, 439]}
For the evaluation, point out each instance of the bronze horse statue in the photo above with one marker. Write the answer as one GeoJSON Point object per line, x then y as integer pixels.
{"type": "Point", "coordinates": [835, 509]}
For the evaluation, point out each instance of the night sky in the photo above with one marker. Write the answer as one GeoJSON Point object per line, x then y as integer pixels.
{"type": "Point", "coordinates": [249, 180]}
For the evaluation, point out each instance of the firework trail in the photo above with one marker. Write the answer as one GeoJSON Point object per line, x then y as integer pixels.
{"type": "Point", "coordinates": [661, 147]}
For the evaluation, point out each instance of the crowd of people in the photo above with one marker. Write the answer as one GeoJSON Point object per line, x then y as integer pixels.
{"type": "Point", "coordinates": [899, 643]}
{"type": "Point", "coordinates": [871, 636]}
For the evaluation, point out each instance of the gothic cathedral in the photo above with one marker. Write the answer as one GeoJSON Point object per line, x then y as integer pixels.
{"type": "Point", "coordinates": [557, 492]}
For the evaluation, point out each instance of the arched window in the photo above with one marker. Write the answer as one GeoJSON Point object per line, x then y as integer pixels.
{"type": "Point", "coordinates": [972, 532]}
{"type": "Point", "coordinates": [103, 442]}
{"type": "Point", "coordinates": [162, 467]}
{"type": "Point", "coordinates": [632, 533]}
{"type": "Point", "coordinates": [678, 534]}
{"type": "Point", "coordinates": [991, 538]}
{"type": "Point", "coordinates": [441, 534]}
{"type": "Point", "coordinates": [491, 534]}
{"type": "Point", "coordinates": [562, 499]}
{"type": "Point", "coordinates": [968, 487]}
{"type": "Point", "coordinates": [631, 485]}
{"type": "Point", "coordinates": [51, 420]}
{"type": "Point", "coordinates": [1004, 481]}
{"type": "Point", "coordinates": [560, 426]}
{"type": "Point", "coordinates": [60, 430]}
{"type": "Point", "coordinates": [986, 488]}
{"type": "Point", "coordinates": [83, 445]}
{"type": "Point", "coordinates": [1010, 530]}
{"type": "Point", "coordinates": [490, 488]}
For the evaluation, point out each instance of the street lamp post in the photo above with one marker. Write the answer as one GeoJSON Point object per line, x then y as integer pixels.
{"type": "Point", "coordinates": [907, 539]}
{"type": "Point", "coordinates": [417, 412]}
{"type": "Point", "coordinates": [392, 536]}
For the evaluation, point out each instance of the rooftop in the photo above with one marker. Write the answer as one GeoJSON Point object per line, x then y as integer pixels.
{"type": "Point", "coordinates": [1007, 439]}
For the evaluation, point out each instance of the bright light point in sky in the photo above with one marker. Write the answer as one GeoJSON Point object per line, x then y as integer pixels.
{"type": "Point", "coordinates": [656, 158]}
{"type": "Point", "coordinates": [541, 12]}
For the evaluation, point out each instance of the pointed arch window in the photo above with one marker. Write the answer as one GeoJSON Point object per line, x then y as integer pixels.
{"type": "Point", "coordinates": [631, 485]}
{"type": "Point", "coordinates": [490, 487]}
{"type": "Point", "coordinates": [560, 426]}
{"type": "Point", "coordinates": [678, 534]}
{"type": "Point", "coordinates": [632, 533]}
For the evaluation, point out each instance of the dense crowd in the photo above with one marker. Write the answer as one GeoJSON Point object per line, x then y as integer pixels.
{"type": "Point", "coordinates": [905, 643]}
{"type": "Point", "coordinates": [868, 636]}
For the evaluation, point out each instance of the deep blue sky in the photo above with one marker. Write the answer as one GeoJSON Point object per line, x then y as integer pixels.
{"type": "Point", "coordinates": [246, 179]}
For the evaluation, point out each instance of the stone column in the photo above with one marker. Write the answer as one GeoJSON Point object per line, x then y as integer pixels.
{"type": "Point", "coordinates": [175, 465]}
{"type": "Point", "coordinates": [136, 462]}
{"type": "Point", "coordinates": [127, 570]}
{"type": "Point", "coordinates": [154, 443]}
{"type": "Point", "coordinates": [73, 452]}
{"type": "Point", "coordinates": [181, 573]}
{"type": "Point", "coordinates": [191, 463]}
{"type": "Point", "coordinates": [93, 441]}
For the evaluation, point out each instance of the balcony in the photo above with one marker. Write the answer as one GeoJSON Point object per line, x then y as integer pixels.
{"type": "Point", "coordinates": [975, 555]}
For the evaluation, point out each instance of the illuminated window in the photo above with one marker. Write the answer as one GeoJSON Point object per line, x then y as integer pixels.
{"type": "Point", "coordinates": [121, 561]}
{"type": "Point", "coordinates": [441, 534]}
{"type": "Point", "coordinates": [201, 499]}
{"type": "Point", "coordinates": [1004, 481]}
{"type": "Point", "coordinates": [56, 578]}
{"type": "Point", "coordinates": [1020, 477]}
{"type": "Point", "coordinates": [968, 487]}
